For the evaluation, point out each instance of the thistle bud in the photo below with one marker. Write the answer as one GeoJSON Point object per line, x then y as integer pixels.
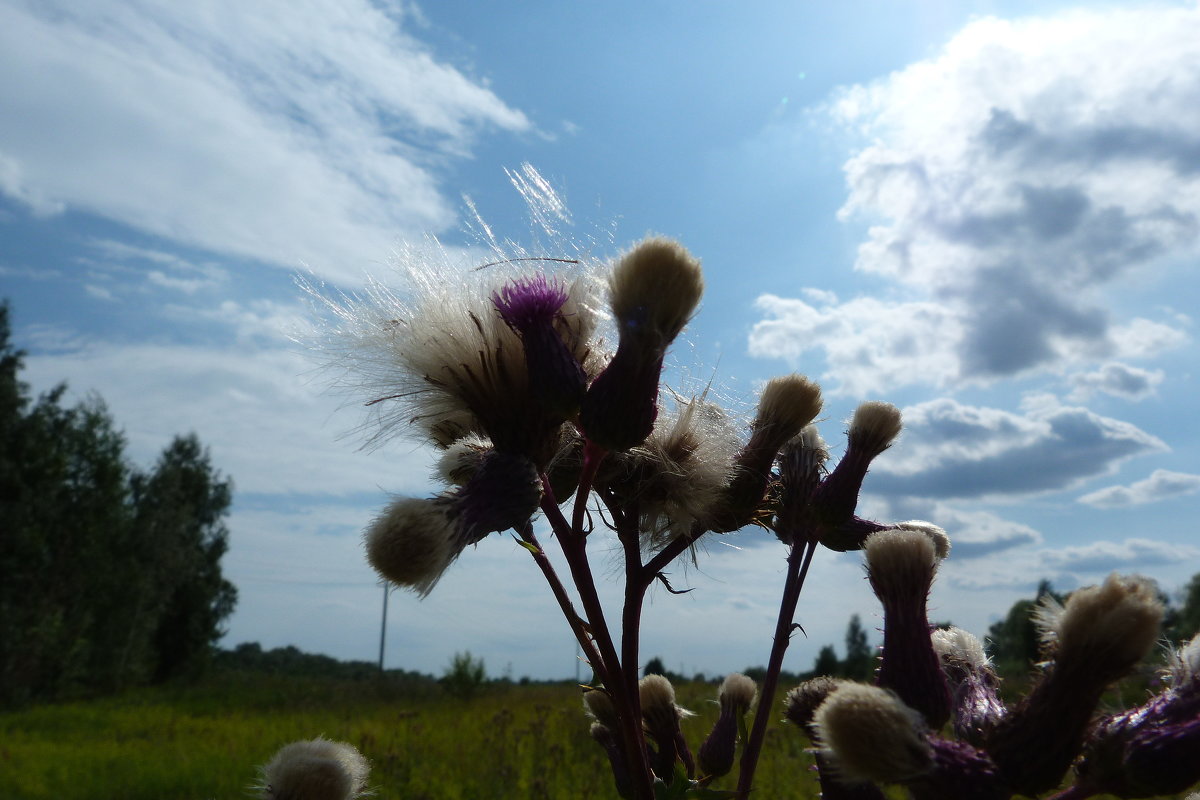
{"type": "Point", "coordinates": [504, 492]}
{"type": "Point", "coordinates": [872, 430]}
{"type": "Point", "coordinates": [661, 717]}
{"type": "Point", "coordinates": [800, 706]}
{"type": "Point", "coordinates": [1152, 749]}
{"type": "Point", "coordinates": [599, 706]}
{"type": "Point", "coordinates": [411, 543]}
{"type": "Point", "coordinates": [315, 770]}
{"type": "Point", "coordinates": [530, 307]}
{"type": "Point", "coordinates": [654, 291]}
{"type": "Point", "coordinates": [901, 565]}
{"type": "Point", "coordinates": [1098, 636]}
{"type": "Point", "coordinates": [973, 683]}
{"type": "Point", "coordinates": [736, 695]}
{"type": "Point", "coordinates": [871, 735]}
{"type": "Point", "coordinates": [786, 406]}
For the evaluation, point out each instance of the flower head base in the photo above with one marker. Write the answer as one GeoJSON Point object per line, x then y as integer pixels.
{"type": "Point", "coordinates": [654, 290]}
{"type": "Point", "coordinates": [716, 754]}
{"type": "Point", "coordinates": [315, 770]}
{"type": "Point", "coordinates": [973, 683]}
{"type": "Point", "coordinates": [786, 406]}
{"type": "Point", "coordinates": [872, 430]}
{"type": "Point", "coordinates": [661, 716]}
{"type": "Point", "coordinates": [872, 736]}
{"type": "Point", "coordinates": [901, 565]}
{"type": "Point", "coordinates": [1098, 636]}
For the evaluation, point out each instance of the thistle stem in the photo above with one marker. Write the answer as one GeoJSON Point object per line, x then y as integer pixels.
{"type": "Point", "coordinates": [564, 602]}
{"type": "Point", "coordinates": [797, 570]}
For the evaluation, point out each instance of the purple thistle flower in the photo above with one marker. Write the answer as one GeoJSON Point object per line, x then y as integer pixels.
{"type": "Point", "coordinates": [526, 303]}
{"type": "Point", "coordinates": [530, 306]}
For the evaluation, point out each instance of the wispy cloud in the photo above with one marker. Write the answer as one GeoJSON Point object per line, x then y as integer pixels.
{"type": "Point", "coordinates": [287, 132]}
{"type": "Point", "coordinates": [1011, 181]}
{"type": "Point", "coordinates": [1161, 485]}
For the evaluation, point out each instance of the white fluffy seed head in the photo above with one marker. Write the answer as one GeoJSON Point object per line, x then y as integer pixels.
{"type": "Point", "coordinates": [599, 706]}
{"type": "Point", "coordinates": [941, 542]}
{"type": "Point", "coordinates": [410, 543]}
{"type": "Point", "coordinates": [875, 426]}
{"type": "Point", "coordinates": [458, 462]}
{"type": "Point", "coordinates": [658, 703]}
{"type": "Point", "coordinates": [315, 770]}
{"type": "Point", "coordinates": [677, 474]}
{"type": "Point", "coordinates": [1184, 664]}
{"type": "Point", "coordinates": [655, 288]}
{"type": "Point", "coordinates": [899, 560]}
{"type": "Point", "coordinates": [957, 646]}
{"type": "Point", "coordinates": [1111, 626]}
{"type": "Point", "coordinates": [870, 735]}
{"type": "Point", "coordinates": [787, 404]}
{"type": "Point", "coordinates": [737, 693]}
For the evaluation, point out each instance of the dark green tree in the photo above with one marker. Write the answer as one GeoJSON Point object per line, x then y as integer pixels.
{"type": "Point", "coordinates": [860, 660]}
{"type": "Point", "coordinates": [827, 662]}
{"type": "Point", "coordinates": [1186, 623]}
{"type": "Point", "coordinates": [1013, 642]}
{"type": "Point", "coordinates": [109, 577]}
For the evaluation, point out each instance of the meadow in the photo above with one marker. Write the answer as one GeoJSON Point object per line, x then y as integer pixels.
{"type": "Point", "coordinates": [205, 741]}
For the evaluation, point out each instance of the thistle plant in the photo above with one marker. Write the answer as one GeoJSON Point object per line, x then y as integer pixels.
{"type": "Point", "coordinates": [543, 391]}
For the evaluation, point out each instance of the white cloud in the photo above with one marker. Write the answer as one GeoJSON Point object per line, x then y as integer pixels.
{"type": "Point", "coordinates": [1011, 181]}
{"type": "Point", "coordinates": [256, 406]}
{"type": "Point", "coordinates": [286, 132]}
{"type": "Point", "coordinates": [1127, 556]}
{"type": "Point", "coordinates": [954, 450]}
{"type": "Point", "coordinates": [1161, 485]}
{"type": "Point", "coordinates": [1119, 380]}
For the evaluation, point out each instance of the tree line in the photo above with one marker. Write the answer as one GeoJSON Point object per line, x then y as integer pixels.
{"type": "Point", "coordinates": [111, 574]}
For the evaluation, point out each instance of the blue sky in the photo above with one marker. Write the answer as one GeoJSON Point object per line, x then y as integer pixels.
{"type": "Point", "coordinates": [987, 213]}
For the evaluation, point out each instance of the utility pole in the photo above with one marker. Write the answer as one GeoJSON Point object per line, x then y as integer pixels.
{"type": "Point", "coordinates": [383, 625]}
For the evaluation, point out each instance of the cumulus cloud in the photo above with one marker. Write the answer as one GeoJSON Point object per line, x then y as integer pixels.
{"type": "Point", "coordinates": [1010, 181]}
{"type": "Point", "coordinates": [1161, 485]}
{"type": "Point", "coordinates": [303, 131]}
{"type": "Point", "coordinates": [952, 450]}
{"type": "Point", "coordinates": [1119, 380]}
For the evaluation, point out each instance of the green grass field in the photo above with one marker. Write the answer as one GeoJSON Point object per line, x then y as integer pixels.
{"type": "Point", "coordinates": [206, 741]}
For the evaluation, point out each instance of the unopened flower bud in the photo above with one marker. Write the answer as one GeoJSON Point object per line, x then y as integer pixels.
{"type": "Point", "coordinates": [654, 291]}
{"type": "Point", "coordinates": [717, 752]}
{"type": "Point", "coordinates": [801, 469]}
{"type": "Point", "coordinates": [941, 542]}
{"type": "Point", "coordinates": [411, 543]}
{"type": "Point", "coordinates": [530, 307]}
{"type": "Point", "coordinates": [800, 707]}
{"type": "Point", "coordinates": [871, 735]}
{"type": "Point", "coordinates": [661, 717]}
{"type": "Point", "coordinates": [973, 683]}
{"type": "Point", "coordinates": [1153, 749]}
{"type": "Point", "coordinates": [901, 565]}
{"type": "Point", "coordinates": [872, 430]}
{"type": "Point", "coordinates": [786, 406]}
{"type": "Point", "coordinates": [504, 492]}
{"type": "Point", "coordinates": [315, 770]}
{"type": "Point", "coordinates": [600, 707]}
{"type": "Point", "coordinates": [1098, 636]}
